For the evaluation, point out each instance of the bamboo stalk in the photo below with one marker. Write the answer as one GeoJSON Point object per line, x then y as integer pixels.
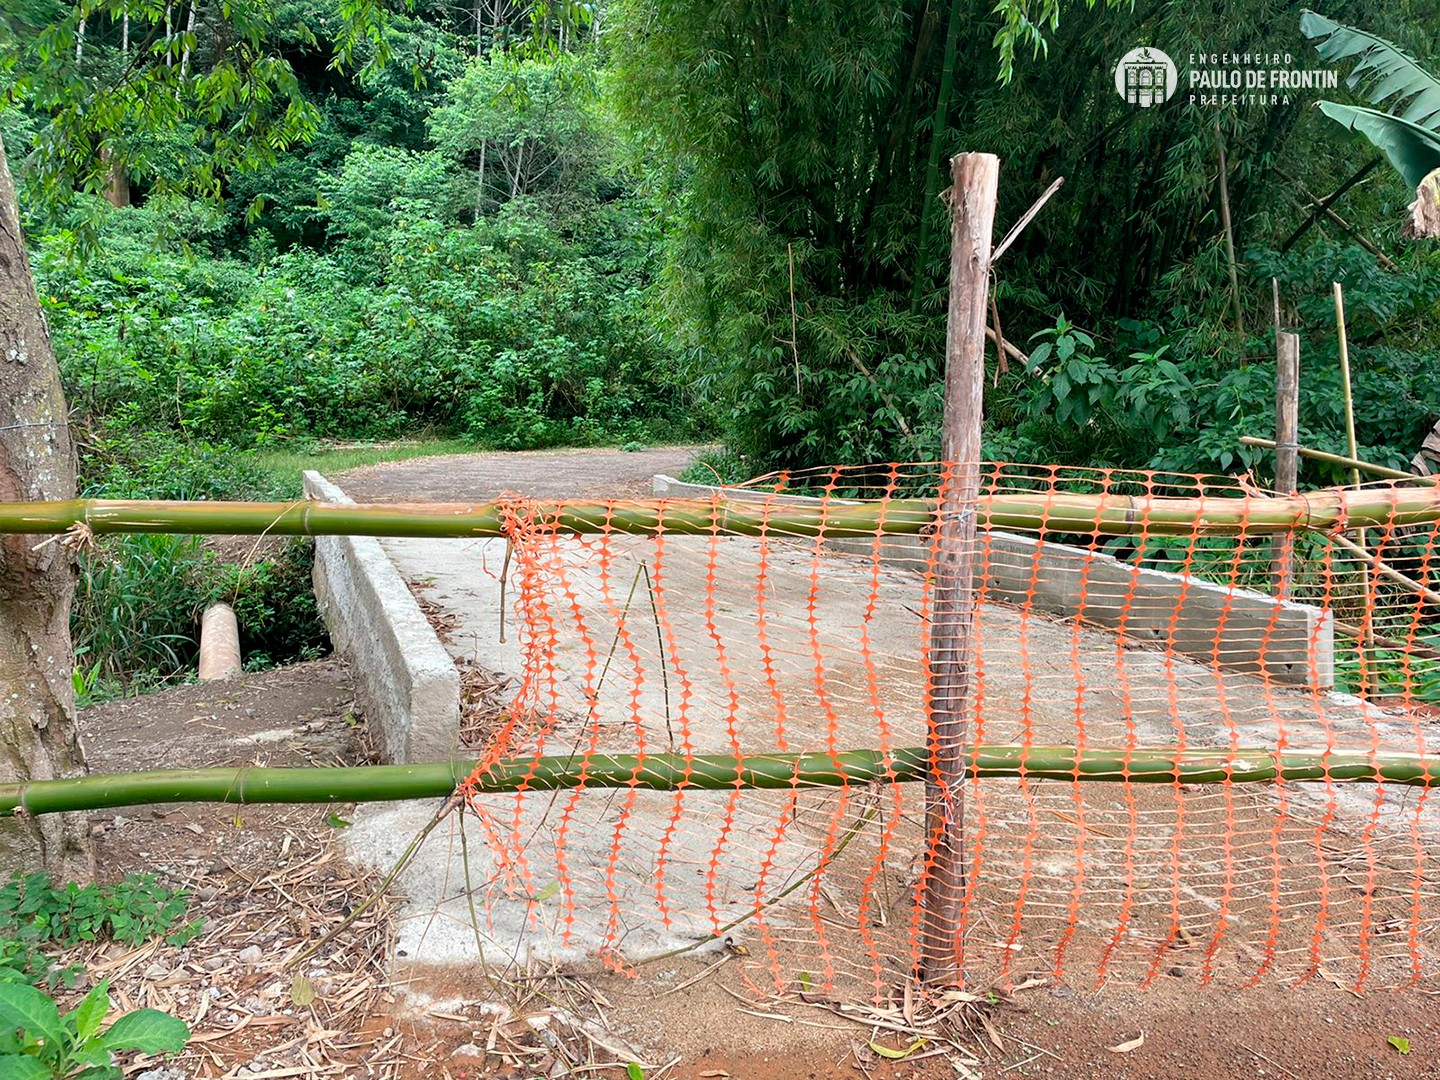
{"type": "Point", "coordinates": [1374, 562]}
{"type": "Point", "coordinates": [710, 772]}
{"type": "Point", "coordinates": [1108, 515]}
{"type": "Point", "coordinates": [1229, 233]}
{"type": "Point", "coordinates": [1341, 459]}
{"type": "Point", "coordinates": [1366, 578]}
{"type": "Point", "coordinates": [1345, 378]}
{"type": "Point", "coordinates": [1375, 641]}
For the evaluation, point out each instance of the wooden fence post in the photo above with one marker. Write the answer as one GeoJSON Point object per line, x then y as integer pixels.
{"type": "Point", "coordinates": [975, 180]}
{"type": "Point", "coordinates": [1287, 456]}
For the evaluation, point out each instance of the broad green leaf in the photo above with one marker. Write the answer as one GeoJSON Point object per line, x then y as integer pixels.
{"type": "Point", "coordinates": [23, 1067]}
{"type": "Point", "coordinates": [1383, 73]}
{"type": "Point", "coordinates": [90, 1013]}
{"type": "Point", "coordinates": [25, 1007]}
{"type": "Point", "coordinates": [634, 1072]}
{"type": "Point", "coordinates": [148, 1030]}
{"type": "Point", "coordinates": [1399, 1042]}
{"type": "Point", "coordinates": [1414, 151]}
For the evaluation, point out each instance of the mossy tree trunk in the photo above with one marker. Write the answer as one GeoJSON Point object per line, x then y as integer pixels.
{"type": "Point", "coordinates": [38, 738]}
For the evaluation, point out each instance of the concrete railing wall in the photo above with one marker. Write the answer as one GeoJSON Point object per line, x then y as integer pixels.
{"type": "Point", "coordinates": [406, 682]}
{"type": "Point", "coordinates": [1215, 624]}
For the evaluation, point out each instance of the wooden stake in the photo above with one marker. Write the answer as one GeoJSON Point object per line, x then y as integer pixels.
{"type": "Point", "coordinates": [976, 179]}
{"type": "Point", "coordinates": [1287, 435]}
{"type": "Point", "coordinates": [1229, 232]}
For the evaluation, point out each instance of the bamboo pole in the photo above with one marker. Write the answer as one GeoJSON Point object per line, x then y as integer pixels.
{"type": "Point", "coordinates": [1348, 462]}
{"type": "Point", "coordinates": [1049, 512]}
{"type": "Point", "coordinates": [1355, 178]}
{"type": "Point", "coordinates": [1367, 579]}
{"type": "Point", "coordinates": [1287, 428]}
{"type": "Point", "coordinates": [1229, 232]}
{"type": "Point", "coordinates": [1375, 641]}
{"type": "Point", "coordinates": [975, 180]}
{"type": "Point", "coordinates": [938, 127]}
{"type": "Point", "coordinates": [712, 772]}
{"type": "Point", "coordinates": [1382, 568]}
{"type": "Point", "coordinates": [1345, 226]}
{"type": "Point", "coordinates": [1344, 340]}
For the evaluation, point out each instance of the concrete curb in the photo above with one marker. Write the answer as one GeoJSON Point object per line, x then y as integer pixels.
{"type": "Point", "coordinates": [1214, 624]}
{"type": "Point", "coordinates": [405, 680]}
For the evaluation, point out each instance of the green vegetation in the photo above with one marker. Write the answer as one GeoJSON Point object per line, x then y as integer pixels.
{"type": "Point", "coordinates": [136, 617]}
{"type": "Point", "coordinates": [1387, 76]}
{"type": "Point", "coordinates": [287, 461]}
{"type": "Point", "coordinates": [38, 917]}
{"type": "Point", "coordinates": [37, 1043]}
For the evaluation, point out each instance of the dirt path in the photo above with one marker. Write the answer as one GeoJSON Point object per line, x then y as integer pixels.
{"type": "Point", "coordinates": [542, 474]}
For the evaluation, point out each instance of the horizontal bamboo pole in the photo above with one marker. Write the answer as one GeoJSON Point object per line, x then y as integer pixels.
{"type": "Point", "coordinates": [1348, 462]}
{"type": "Point", "coordinates": [707, 772]}
{"type": "Point", "coordinates": [1376, 641]}
{"type": "Point", "coordinates": [1111, 514]}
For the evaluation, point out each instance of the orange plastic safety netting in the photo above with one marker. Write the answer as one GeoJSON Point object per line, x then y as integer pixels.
{"type": "Point", "coordinates": [1147, 630]}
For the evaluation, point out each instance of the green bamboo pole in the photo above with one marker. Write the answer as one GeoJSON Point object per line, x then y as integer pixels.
{"type": "Point", "coordinates": [707, 772]}
{"type": "Point", "coordinates": [1111, 515]}
{"type": "Point", "coordinates": [1348, 462]}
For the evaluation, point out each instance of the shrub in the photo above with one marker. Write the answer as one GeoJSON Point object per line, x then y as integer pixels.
{"type": "Point", "coordinates": [136, 616]}
{"type": "Point", "coordinates": [120, 464]}
{"type": "Point", "coordinates": [37, 915]}
{"type": "Point", "coordinates": [37, 1043]}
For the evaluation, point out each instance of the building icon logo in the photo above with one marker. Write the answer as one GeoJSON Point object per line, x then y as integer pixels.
{"type": "Point", "coordinates": [1145, 77]}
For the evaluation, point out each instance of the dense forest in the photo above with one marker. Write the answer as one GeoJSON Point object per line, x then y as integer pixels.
{"type": "Point", "coordinates": [624, 222]}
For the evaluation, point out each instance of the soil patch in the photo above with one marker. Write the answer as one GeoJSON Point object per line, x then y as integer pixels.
{"type": "Point", "coordinates": [540, 474]}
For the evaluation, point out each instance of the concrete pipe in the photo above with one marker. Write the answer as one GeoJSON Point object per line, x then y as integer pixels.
{"type": "Point", "coordinates": [219, 643]}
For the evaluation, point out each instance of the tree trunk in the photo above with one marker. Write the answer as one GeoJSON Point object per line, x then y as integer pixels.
{"type": "Point", "coordinates": [119, 190]}
{"type": "Point", "coordinates": [189, 29]}
{"type": "Point", "coordinates": [38, 738]}
{"type": "Point", "coordinates": [480, 183]}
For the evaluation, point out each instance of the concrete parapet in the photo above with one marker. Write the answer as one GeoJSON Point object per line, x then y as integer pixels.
{"type": "Point", "coordinates": [405, 680]}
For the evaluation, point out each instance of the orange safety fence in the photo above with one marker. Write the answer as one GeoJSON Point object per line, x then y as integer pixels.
{"type": "Point", "coordinates": [1155, 641]}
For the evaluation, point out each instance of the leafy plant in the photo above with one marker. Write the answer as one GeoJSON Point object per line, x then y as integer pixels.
{"type": "Point", "coordinates": [274, 602]}
{"type": "Point", "coordinates": [1409, 134]}
{"type": "Point", "coordinates": [137, 608]}
{"type": "Point", "coordinates": [36, 915]}
{"type": "Point", "coordinates": [37, 1043]}
{"type": "Point", "coordinates": [1076, 383]}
